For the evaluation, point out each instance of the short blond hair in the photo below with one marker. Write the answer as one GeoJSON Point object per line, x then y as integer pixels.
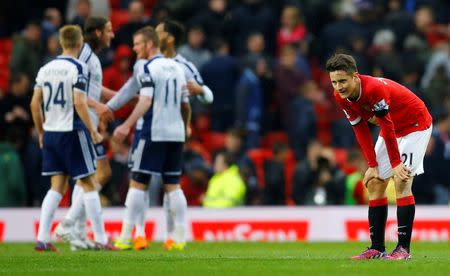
{"type": "Point", "coordinates": [70, 37]}
{"type": "Point", "coordinates": [149, 34]}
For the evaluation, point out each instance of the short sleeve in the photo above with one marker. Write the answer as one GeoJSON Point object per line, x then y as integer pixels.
{"type": "Point", "coordinates": [80, 79]}
{"type": "Point", "coordinates": [39, 81]}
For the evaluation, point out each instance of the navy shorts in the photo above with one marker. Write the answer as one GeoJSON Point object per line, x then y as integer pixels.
{"type": "Point", "coordinates": [160, 158]}
{"type": "Point", "coordinates": [136, 137]}
{"type": "Point", "coordinates": [67, 153]}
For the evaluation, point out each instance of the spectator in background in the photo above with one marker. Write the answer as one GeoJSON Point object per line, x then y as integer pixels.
{"type": "Point", "coordinates": [317, 180]}
{"type": "Point", "coordinates": [83, 11]}
{"type": "Point", "coordinates": [292, 29]}
{"type": "Point", "coordinates": [249, 105]}
{"type": "Point", "coordinates": [399, 21]}
{"type": "Point", "coordinates": [27, 53]}
{"type": "Point", "coordinates": [215, 21]}
{"type": "Point", "coordinates": [387, 62]}
{"type": "Point", "coordinates": [249, 17]}
{"type": "Point", "coordinates": [274, 176]}
{"type": "Point", "coordinates": [51, 23]}
{"type": "Point", "coordinates": [220, 73]}
{"type": "Point", "coordinates": [12, 184]}
{"type": "Point", "coordinates": [255, 50]}
{"type": "Point", "coordinates": [196, 173]}
{"type": "Point", "coordinates": [358, 49]}
{"type": "Point", "coordinates": [117, 74]}
{"type": "Point", "coordinates": [303, 119]}
{"type": "Point", "coordinates": [136, 20]}
{"type": "Point", "coordinates": [193, 50]}
{"type": "Point", "coordinates": [288, 80]}
{"type": "Point", "coordinates": [355, 192]}
{"type": "Point", "coordinates": [226, 187]}
{"type": "Point", "coordinates": [53, 48]}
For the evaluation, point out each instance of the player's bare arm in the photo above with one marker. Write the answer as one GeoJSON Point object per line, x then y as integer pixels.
{"type": "Point", "coordinates": [142, 106]}
{"type": "Point", "coordinates": [186, 113]}
{"type": "Point", "coordinates": [373, 120]}
{"type": "Point", "coordinates": [107, 94]}
{"type": "Point", "coordinates": [36, 112]}
{"type": "Point", "coordinates": [81, 106]}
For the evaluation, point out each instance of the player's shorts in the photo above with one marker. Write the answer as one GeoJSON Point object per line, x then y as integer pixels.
{"type": "Point", "coordinates": [67, 153]}
{"type": "Point", "coordinates": [136, 137]}
{"type": "Point", "coordinates": [99, 150]}
{"type": "Point", "coordinates": [412, 149]}
{"type": "Point", "coordinates": [159, 158]}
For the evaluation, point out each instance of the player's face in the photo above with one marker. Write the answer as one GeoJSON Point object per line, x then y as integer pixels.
{"type": "Point", "coordinates": [162, 35]}
{"type": "Point", "coordinates": [107, 35]}
{"type": "Point", "coordinates": [140, 46]}
{"type": "Point", "coordinates": [344, 83]}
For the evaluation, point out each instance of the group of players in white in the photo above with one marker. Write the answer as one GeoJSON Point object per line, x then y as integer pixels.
{"type": "Point", "coordinates": [68, 105]}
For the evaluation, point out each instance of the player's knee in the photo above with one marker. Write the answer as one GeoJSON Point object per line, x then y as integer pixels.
{"type": "Point", "coordinates": [376, 187]}
{"type": "Point", "coordinates": [103, 176]}
{"type": "Point", "coordinates": [171, 182]}
{"type": "Point", "coordinates": [403, 187]}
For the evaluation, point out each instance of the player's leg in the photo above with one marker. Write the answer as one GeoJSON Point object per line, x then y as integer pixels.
{"type": "Point", "coordinates": [175, 198]}
{"type": "Point", "coordinates": [135, 200]}
{"type": "Point", "coordinates": [378, 205]}
{"type": "Point", "coordinates": [140, 241]}
{"type": "Point", "coordinates": [49, 206]}
{"type": "Point", "coordinates": [134, 204]}
{"type": "Point", "coordinates": [412, 149]}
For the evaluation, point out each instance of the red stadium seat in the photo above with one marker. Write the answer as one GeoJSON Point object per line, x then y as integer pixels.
{"type": "Point", "coordinates": [4, 80]}
{"type": "Point", "coordinates": [115, 4]}
{"type": "Point", "coordinates": [6, 45]}
{"type": "Point", "coordinates": [213, 140]}
{"type": "Point", "coordinates": [340, 155]}
{"type": "Point", "coordinates": [258, 156]}
{"type": "Point", "coordinates": [273, 137]}
{"type": "Point", "coordinates": [118, 18]}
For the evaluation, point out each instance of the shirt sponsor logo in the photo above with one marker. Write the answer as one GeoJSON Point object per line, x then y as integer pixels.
{"type": "Point", "coordinates": [112, 229]}
{"type": "Point", "coordinates": [285, 230]}
{"type": "Point", "coordinates": [424, 230]}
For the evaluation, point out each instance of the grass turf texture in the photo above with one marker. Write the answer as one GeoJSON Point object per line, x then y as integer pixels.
{"type": "Point", "coordinates": [225, 259]}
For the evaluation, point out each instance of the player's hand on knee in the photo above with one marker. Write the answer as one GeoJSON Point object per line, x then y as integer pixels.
{"type": "Point", "coordinates": [121, 132]}
{"type": "Point", "coordinates": [96, 137]}
{"type": "Point", "coordinates": [401, 172]}
{"type": "Point", "coordinates": [371, 173]}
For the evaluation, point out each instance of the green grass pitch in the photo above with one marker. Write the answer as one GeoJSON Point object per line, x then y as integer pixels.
{"type": "Point", "coordinates": [225, 259]}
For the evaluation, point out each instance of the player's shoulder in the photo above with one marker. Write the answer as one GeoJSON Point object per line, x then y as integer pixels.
{"type": "Point", "coordinates": [86, 53]}
{"type": "Point", "coordinates": [185, 63]}
{"type": "Point", "coordinates": [75, 63]}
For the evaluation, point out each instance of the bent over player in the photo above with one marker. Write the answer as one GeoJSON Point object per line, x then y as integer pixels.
{"type": "Point", "coordinates": [399, 151]}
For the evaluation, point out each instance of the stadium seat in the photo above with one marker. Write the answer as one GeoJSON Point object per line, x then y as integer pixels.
{"type": "Point", "coordinates": [118, 18]}
{"type": "Point", "coordinates": [258, 156]}
{"type": "Point", "coordinates": [114, 4]}
{"type": "Point", "coordinates": [213, 140]}
{"type": "Point", "coordinates": [4, 80]}
{"type": "Point", "coordinates": [6, 45]}
{"type": "Point", "coordinates": [200, 149]}
{"type": "Point", "coordinates": [340, 155]}
{"type": "Point", "coordinates": [272, 137]}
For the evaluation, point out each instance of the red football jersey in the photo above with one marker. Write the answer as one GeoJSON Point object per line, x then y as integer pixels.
{"type": "Point", "coordinates": [399, 112]}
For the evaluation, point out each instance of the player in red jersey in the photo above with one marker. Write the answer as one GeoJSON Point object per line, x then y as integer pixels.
{"type": "Point", "coordinates": [399, 151]}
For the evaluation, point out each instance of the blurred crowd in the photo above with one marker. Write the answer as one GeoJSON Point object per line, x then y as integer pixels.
{"type": "Point", "coordinates": [273, 135]}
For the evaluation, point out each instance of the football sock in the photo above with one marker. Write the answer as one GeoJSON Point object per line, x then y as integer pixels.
{"type": "Point", "coordinates": [49, 206]}
{"type": "Point", "coordinates": [140, 221]}
{"type": "Point", "coordinates": [405, 218]}
{"type": "Point", "coordinates": [170, 225]}
{"type": "Point", "coordinates": [133, 206]}
{"type": "Point", "coordinates": [76, 208]}
{"type": "Point", "coordinates": [94, 213]}
{"type": "Point", "coordinates": [378, 211]}
{"type": "Point", "coordinates": [79, 216]}
{"type": "Point", "coordinates": [178, 206]}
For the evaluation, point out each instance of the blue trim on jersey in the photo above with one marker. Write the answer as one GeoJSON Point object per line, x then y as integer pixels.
{"type": "Point", "coordinates": [190, 69]}
{"type": "Point", "coordinates": [146, 131]}
{"type": "Point", "coordinates": [81, 51]}
{"type": "Point", "coordinates": [89, 57]}
{"type": "Point", "coordinates": [148, 62]}
{"type": "Point", "coordinates": [73, 61]}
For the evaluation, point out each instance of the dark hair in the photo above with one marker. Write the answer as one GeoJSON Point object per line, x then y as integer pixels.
{"type": "Point", "coordinates": [175, 29]}
{"type": "Point", "coordinates": [92, 24]}
{"type": "Point", "coordinates": [341, 62]}
{"type": "Point", "coordinates": [279, 147]}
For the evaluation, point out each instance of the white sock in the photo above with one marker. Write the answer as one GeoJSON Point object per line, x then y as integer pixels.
{"type": "Point", "coordinates": [133, 206]}
{"type": "Point", "coordinates": [79, 226]}
{"type": "Point", "coordinates": [76, 208]}
{"type": "Point", "coordinates": [98, 187]}
{"type": "Point", "coordinates": [170, 225]}
{"type": "Point", "coordinates": [94, 213]}
{"type": "Point", "coordinates": [140, 221]}
{"type": "Point", "coordinates": [178, 206]}
{"type": "Point", "coordinates": [49, 206]}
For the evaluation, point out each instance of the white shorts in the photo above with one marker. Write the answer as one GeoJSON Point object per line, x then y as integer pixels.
{"type": "Point", "coordinates": [412, 149]}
